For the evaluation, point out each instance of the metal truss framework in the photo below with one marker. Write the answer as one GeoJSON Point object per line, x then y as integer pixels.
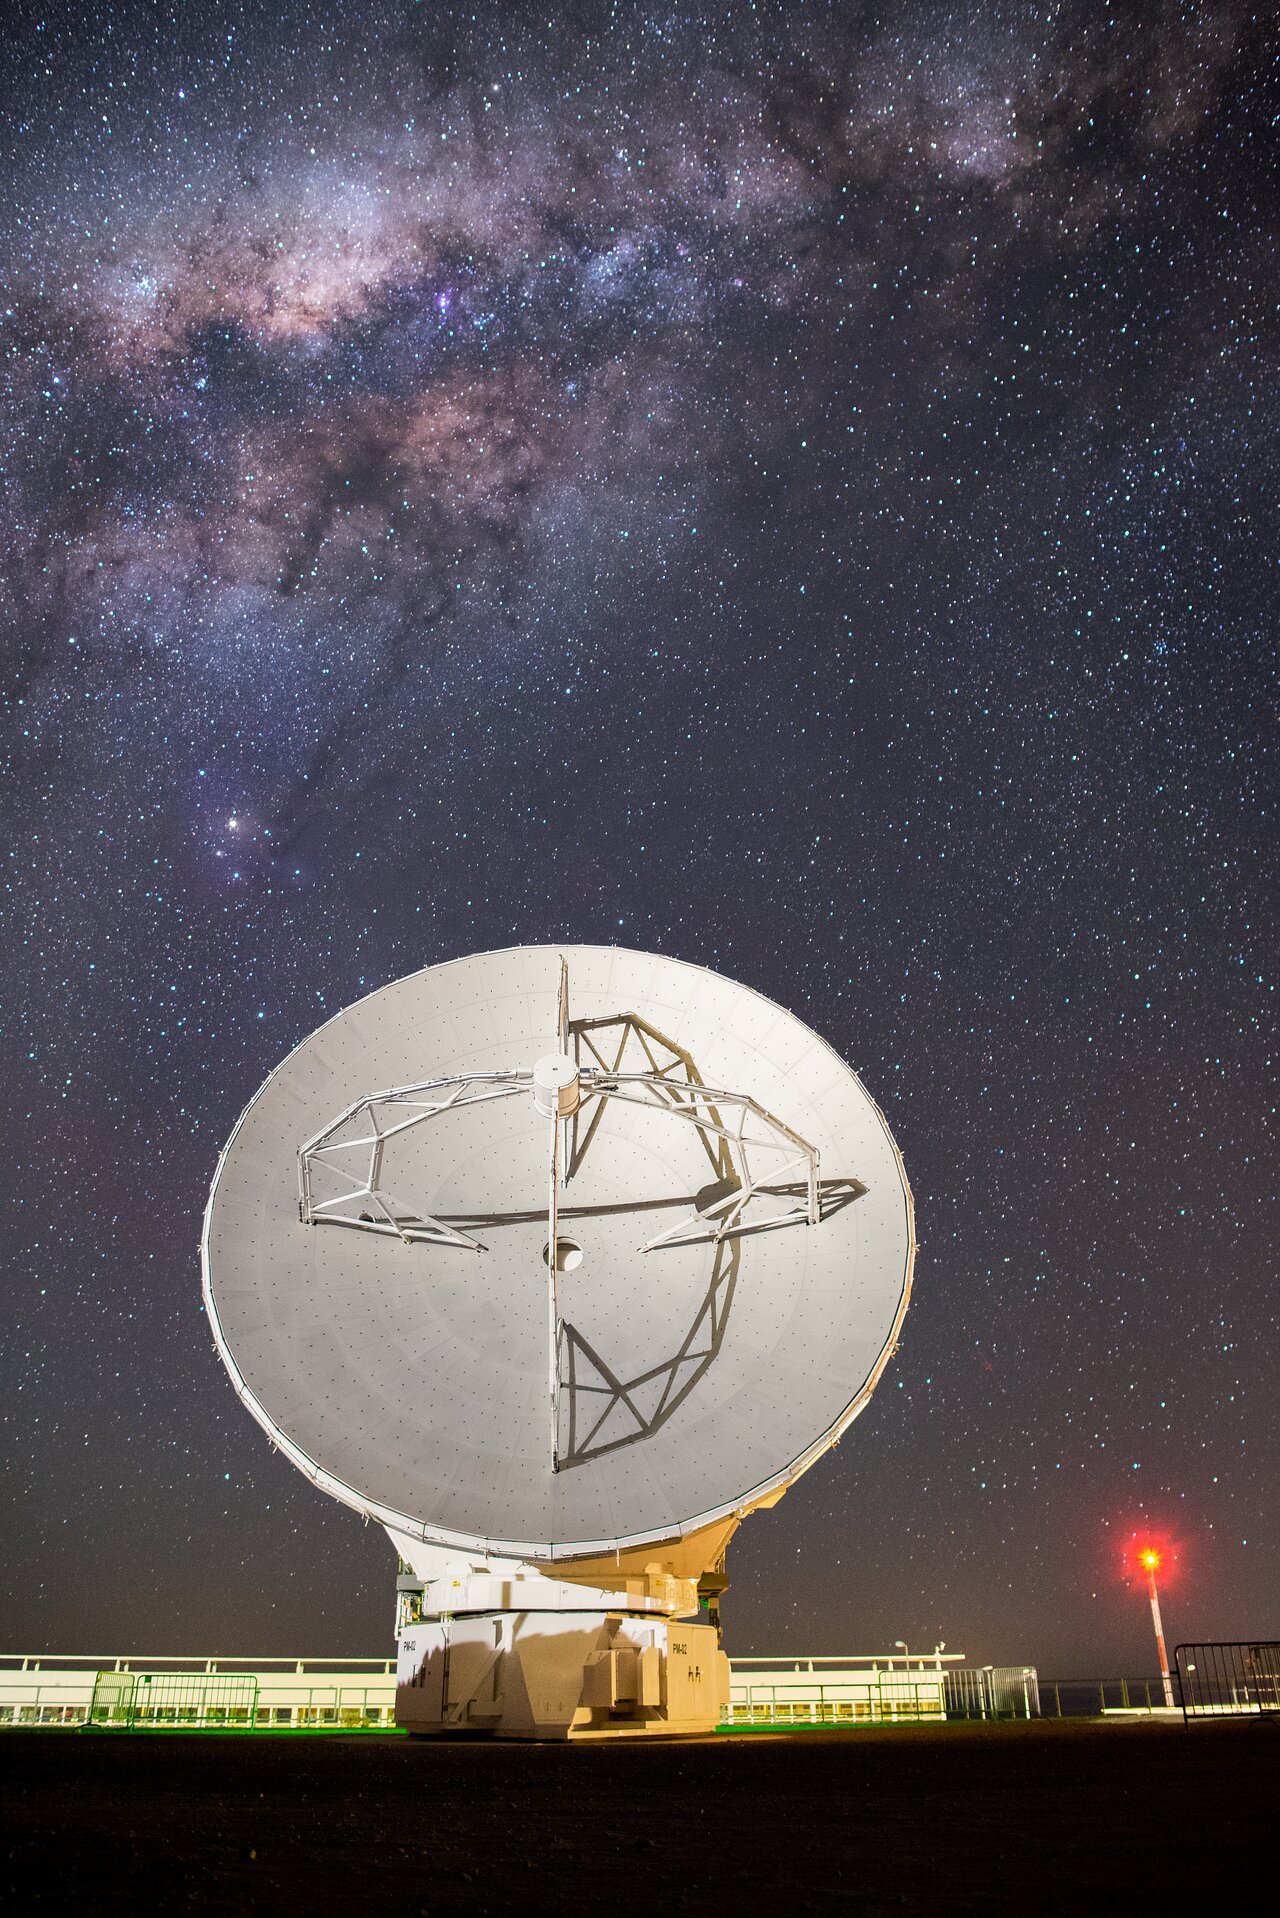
{"type": "Point", "coordinates": [764, 1177]}
{"type": "Point", "coordinates": [673, 1084]}
{"type": "Point", "coordinates": [350, 1152]}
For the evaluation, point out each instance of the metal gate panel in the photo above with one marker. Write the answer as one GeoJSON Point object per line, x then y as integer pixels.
{"type": "Point", "coordinates": [170, 1701]}
{"type": "Point", "coordinates": [112, 1702]}
{"type": "Point", "coordinates": [1229, 1680]}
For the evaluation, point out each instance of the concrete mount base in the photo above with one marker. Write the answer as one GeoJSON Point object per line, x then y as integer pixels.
{"type": "Point", "coordinates": [554, 1675]}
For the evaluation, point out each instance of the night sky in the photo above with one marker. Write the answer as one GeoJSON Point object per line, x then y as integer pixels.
{"type": "Point", "coordinates": [788, 486]}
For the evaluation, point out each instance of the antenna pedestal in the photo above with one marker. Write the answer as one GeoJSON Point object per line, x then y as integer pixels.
{"type": "Point", "coordinates": [502, 1649]}
{"type": "Point", "coordinates": [582, 1674]}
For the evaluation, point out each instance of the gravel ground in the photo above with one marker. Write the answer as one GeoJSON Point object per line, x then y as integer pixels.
{"type": "Point", "coordinates": [1059, 1816]}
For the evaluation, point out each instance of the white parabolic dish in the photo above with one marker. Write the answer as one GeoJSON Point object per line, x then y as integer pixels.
{"type": "Point", "coordinates": [409, 1377]}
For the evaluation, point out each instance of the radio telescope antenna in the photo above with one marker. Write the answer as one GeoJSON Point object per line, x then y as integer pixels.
{"type": "Point", "coordinates": [726, 1237]}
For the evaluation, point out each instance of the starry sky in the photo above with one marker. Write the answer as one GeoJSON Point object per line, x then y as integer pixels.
{"type": "Point", "coordinates": [792, 487]}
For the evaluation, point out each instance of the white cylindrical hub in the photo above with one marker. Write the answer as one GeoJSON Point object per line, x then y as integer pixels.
{"type": "Point", "coordinates": [555, 1086]}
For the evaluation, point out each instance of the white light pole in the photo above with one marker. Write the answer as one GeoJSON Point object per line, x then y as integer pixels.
{"type": "Point", "coordinates": [1150, 1559]}
{"type": "Point", "coordinates": [901, 1645]}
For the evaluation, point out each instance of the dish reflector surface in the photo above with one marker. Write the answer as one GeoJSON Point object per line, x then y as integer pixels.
{"type": "Point", "coordinates": [409, 1375]}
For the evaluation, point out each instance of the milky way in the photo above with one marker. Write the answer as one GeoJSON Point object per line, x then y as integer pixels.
{"type": "Point", "coordinates": [784, 486]}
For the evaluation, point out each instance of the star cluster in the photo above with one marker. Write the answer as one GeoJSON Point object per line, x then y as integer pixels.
{"type": "Point", "coordinates": [779, 484]}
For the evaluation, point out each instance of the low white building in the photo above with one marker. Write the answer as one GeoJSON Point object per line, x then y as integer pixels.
{"type": "Point", "coordinates": [867, 1689]}
{"type": "Point", "coordinates": [353, 1694]}
{"type": "Point", "coordinates": [263, 1693]}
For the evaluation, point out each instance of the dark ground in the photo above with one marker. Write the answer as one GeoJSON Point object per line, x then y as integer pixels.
{"type": "Point", "coordinates": [1050, 1816]}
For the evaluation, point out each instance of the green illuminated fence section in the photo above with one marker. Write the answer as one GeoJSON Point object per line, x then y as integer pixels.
{"type": "Point", "coordinates": [168, 1699]}
{"type": "Point", "coordinates": [195, 1699]}
{"type": "Point", "coordinates": [113, 1698]}
{"type": "Point", "coordinates": [192, 1701]}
